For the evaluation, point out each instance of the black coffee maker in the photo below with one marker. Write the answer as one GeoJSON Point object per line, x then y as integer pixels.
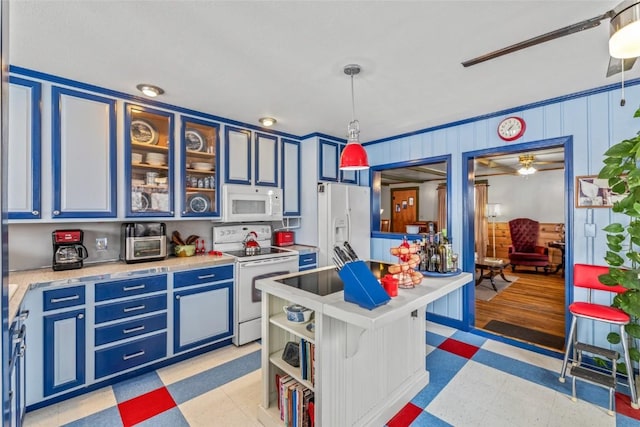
{"type": "Point", "coordinates": [68, 250]}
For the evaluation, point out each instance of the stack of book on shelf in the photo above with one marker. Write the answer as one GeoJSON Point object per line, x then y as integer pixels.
{"type": "Point", "coordinates": [307, 360]}
{"type": "Point", "coordinates": [293, 401]}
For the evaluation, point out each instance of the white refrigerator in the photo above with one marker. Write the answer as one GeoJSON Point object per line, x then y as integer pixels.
{"type": "Point", "coordinates": [344, 214]}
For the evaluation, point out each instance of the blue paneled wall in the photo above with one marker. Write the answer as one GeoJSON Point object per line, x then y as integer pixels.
{"type": "Point", "coordinates": [594, 120]}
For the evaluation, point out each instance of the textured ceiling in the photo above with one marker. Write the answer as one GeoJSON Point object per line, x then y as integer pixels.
{"type": "Point", "coordinates": [247, 59]}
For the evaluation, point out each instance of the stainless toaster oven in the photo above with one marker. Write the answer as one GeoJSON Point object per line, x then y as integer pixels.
{"type": "Point", "coordinates": [143, 241]}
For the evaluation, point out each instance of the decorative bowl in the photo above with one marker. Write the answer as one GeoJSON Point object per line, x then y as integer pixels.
{"type": "Point", "coordinates": [185, 250]}
{"type": "Point", "coordinates": [297, 313]}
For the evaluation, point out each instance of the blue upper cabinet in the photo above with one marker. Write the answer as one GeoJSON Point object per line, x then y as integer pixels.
{"type": "Point", "coordinates": [148, 158]}
{"type": "Point", "coordinates": [348, 177]}
{"type": "Point", "coordinates": [291, 177]}
{"type": "Point", "coordinates": [24, 161]}
{"type": "Point", "coordinates": [83, 154]}
{"type": "Point", "coordinates": [199, 168]}
{"type": "Point", "coordinates": [266, 149]}
{"type": "Point", "coordinates": [237, 152]}
{"type": "Point", "coordinates": [328, 158]}
{"type": "Point", "coordinates": [329, 163]}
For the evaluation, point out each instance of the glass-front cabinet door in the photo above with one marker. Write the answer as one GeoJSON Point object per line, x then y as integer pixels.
{"type": "Point", "coordinates": [148, 154]}
{"type": "Point", "coordinates": [199, 168]}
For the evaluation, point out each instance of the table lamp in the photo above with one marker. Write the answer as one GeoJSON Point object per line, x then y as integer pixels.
{"type": "Point", "coordinates": [493, 211]}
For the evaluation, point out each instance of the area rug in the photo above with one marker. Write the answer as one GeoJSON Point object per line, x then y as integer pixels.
{"type": "Point", "coordinates": [485, 292]}
{"type": "Point", "coordinates": [525, 334]}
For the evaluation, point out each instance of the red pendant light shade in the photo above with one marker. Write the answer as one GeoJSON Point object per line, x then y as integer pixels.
{"type": "Point", "coordinates": [353, 157]}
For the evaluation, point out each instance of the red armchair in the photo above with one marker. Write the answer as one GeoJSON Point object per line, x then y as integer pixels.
{"type": "Point", "coordinates": [524, 249]}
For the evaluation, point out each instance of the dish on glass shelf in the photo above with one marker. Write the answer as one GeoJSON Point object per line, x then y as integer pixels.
{"type": "Point", "coordinates": [143, 132]}
{"type": "Point", "coordinates": [198, 203]}
{"type": "Point", "coordinates": [201, 166]}
{"type": "Point", "coordinates": [194, 140]}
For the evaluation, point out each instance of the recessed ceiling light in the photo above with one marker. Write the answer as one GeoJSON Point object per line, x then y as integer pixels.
{"type": "Point", "coordinates": [150, 90]}
{"type": "Point", "coordinates": [267, 121]}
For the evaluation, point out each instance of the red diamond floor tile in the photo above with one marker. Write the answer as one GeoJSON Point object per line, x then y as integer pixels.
{"type": "Point", "coordinates": [458, 347]}
{"type": "Point", "coordinates": [623, 406]}
{"type": "Point", "coordinates": [143, 407]}
{"type": "Point", "coordinates": [406, 416]}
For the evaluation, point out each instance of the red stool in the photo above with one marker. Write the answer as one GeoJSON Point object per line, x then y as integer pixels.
{"type": "Point", "coordinates": [586, 276]}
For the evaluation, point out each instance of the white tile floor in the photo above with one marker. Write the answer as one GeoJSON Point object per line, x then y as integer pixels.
{"type": "Point", "coordinates": [499, 385]}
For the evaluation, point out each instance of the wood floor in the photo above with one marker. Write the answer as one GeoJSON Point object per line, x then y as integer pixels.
{"type": "Point", "coordinates": [535, 301]}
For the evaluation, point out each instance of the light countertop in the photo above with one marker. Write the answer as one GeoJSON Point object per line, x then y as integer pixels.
{"type": "Point", "coordinates": [21, 280]}
{"type": "Point", "coordinates": [334, 305]}
{"type": "Point", "coordinates": [303, 249]}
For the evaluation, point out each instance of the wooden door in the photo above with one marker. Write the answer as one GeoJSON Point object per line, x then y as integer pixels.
{"type": "Point", "coordinates": [404, 208]}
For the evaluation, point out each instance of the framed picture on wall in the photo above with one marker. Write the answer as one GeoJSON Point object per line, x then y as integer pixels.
{"type": "Point", "coordinates": [593, 192]}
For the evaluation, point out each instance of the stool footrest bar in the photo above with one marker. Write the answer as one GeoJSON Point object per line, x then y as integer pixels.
{"type": "Point", "coordinates": [593, 377]}
{"type": "Point", "coordinates": [600, 351]}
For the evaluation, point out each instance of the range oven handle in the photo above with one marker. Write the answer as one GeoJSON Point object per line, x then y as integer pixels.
{"type": "Point", "coordinates": [267, 261]}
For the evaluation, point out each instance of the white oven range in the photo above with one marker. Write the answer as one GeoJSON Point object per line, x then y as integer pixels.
{"type": "Point", "coordinates": [268, 261]}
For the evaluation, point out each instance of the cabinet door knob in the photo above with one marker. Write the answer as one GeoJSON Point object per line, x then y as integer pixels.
{"type": "Point", "coordinates": [177, 296]}
{"type": "Point", "coordinates": [56, 212]}
{"type": "Point", "coordinates": [35, 213]}
{"type": "Point", "coordinates": [80, 316]}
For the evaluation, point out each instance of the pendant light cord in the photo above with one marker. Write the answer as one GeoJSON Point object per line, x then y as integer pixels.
{"type": "Point", "coordinates": [353, 101]}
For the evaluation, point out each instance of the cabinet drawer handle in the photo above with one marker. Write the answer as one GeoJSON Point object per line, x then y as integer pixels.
{"type": "Point", "coordinates": [136, 308]}
{"type": "Point", "coordinates": [131, 356]}
{"type": "Point", "coordinates": [207, 276]}
{"type": "Point", "coordinates": [71, 298]}
{"type": "Point", "coordinates": [136, 329]}
{"type": "Point", "coordinates": [308, 260]}
{"type": "Point", "coordinates": [133, 288]}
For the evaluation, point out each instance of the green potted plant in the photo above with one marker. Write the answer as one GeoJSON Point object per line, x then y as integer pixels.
{"type": "Point", "coordinates": [622, 170]}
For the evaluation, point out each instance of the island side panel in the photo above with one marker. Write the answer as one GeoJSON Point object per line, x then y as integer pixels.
{"type": "Point", "coordinates": [369, 386]}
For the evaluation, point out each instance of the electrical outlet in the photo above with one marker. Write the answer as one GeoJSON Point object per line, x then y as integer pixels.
{"type": "Point", "coordinates": [589, 230]}
{"type": "Point", "coordinates": [101, 244]}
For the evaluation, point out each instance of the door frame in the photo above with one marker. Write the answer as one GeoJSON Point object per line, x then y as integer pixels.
{"type": "Point", "coordinates": [374, 183]}
{"type": "Point", "coordinates": [416, 202]}
{"type": "Point", "coordinates": [468, 213]}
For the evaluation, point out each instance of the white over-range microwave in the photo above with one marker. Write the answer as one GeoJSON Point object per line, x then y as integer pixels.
{"type": "Point", "coordinates": [251, 203]}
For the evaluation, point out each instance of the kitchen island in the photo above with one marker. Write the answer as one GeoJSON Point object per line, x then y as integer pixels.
{"type": "Point", "coordinates": [363, 365]}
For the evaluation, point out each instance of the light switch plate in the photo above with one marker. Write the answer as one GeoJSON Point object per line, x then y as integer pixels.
{"type": "Point", "coordinates": [589, 230]}
{"type": "Point", "coordinates": [101, 244]}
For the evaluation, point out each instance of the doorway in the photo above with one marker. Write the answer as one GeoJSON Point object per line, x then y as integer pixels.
{"type": "Point", "coordinates": [404, 204]}
{"type": "Point", "coordinates": [529, 302]}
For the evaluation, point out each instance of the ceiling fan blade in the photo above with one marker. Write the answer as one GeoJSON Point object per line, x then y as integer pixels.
{"type": "Point", "coordinates": [615, 65]}
{"type": "Point", "coordinates": [551, 35]}
{"type": "Point", "coordinates": [548, 162]}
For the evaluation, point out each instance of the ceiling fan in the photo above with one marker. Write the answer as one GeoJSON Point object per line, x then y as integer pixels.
{"type": "Point", "coordinates": [623, 42]}
{"type": "Point", "coordinates": [528, 160]}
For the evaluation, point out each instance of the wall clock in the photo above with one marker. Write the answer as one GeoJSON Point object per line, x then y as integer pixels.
{"type": "Point", "coordinates": [511, 128]}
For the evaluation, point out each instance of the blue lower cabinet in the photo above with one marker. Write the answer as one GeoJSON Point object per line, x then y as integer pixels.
{"type": "Point", "coordinates": [129, 308]}
{"type": "Point", "coordinates": [131, 354]}
{"type": "Point", "coordinates": [307, 261]}
{"type": "Point", "coordinates": [64, 351]}
{"type": "Point", "coordinates": [202, 315]}
{"type": "Point", "coordinates": [130, 329]}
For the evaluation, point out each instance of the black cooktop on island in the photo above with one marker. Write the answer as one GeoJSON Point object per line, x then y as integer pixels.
{"type": "Point", "coordinates": [326, 282]}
